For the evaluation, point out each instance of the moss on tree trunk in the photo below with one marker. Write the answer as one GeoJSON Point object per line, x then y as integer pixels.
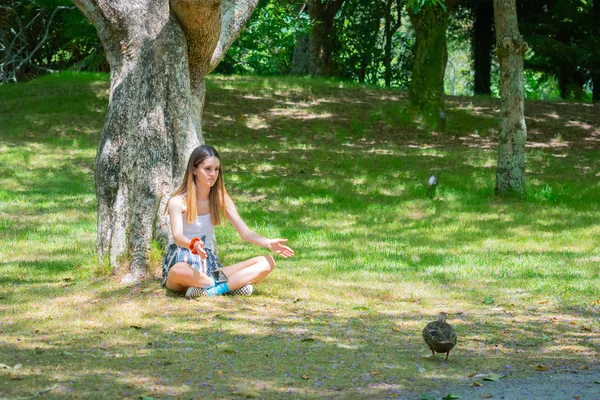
{"type": "Point", "coordinates": [426, 92]}
{"type": "Point", "coordinates": [510, 47]}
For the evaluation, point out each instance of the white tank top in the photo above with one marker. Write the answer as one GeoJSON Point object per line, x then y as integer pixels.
{"type": "Point", "coordinates": [202, 226]}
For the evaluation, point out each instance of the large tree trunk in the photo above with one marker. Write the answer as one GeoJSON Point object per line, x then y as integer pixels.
{"type": "Point", "coordinates": [159, 54]}
{"type": "Point", "coordinates": [322, 38]}
{"type": "Point", "coordinates": [426, 91]}
{"type": "Point", "coordinates": [510, 47]}
{"type": "Point", "coordinates": [482, 41]}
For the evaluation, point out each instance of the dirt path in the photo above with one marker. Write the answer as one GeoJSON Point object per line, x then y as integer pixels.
{"type": "Point", "coordinates": [550, 385]}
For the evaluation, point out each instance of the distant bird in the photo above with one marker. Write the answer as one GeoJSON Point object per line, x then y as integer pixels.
{"type": "Point", "coordinates": [440, 336]}
{"type": "Point", "coordinates": [432, 183]}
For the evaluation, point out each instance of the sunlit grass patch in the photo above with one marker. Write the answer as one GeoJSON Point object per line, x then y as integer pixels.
{"type": "Point", "coordinates": [340, 170]}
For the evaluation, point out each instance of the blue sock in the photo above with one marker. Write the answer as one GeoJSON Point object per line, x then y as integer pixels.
{"type": "Point", "coordinates": [217, 290]}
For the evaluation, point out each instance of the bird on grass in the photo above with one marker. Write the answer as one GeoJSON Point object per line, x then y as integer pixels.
{"type": "Point", "coordinates": [432, 183]}
{"type": "Point", "coordinates": [439, 335]}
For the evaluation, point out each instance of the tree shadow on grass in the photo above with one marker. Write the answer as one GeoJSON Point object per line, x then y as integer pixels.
{"type": "Point", "coordinates": [243, 347]}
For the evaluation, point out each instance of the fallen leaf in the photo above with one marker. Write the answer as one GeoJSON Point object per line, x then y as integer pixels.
{"type": "Point", "coordinates": [14, 376]}
{"type": "Point", "coordinates": [396, 329]}
{"type": "Point", "coordinates": [541, 368]}
{"type": "Point", "coordinates": [67, 353]}
{"type": "Point", "coordinates": [472, 374]}
{"type": "Point", "coordinates": [477, 384]}
{"type": "Point", "coordinates": [573, 322]}
{"type": "Point", "coordinates": [488, 300]}
{"type": "Point", "coordinates": [48, 389]}
{"type": "Point", "coordinates": [583, 368]}
{"type": "Point", "coordinates": [147, 290]}
{"type": "Point", "coordinates": [250, 394]}
{"type": "Point", "coordinates": [486, 396]}
{"type": "Point", "coordinates": [305, 377]}
{"type": "Point", "coordinates": [373, 373]}
{"type": "Point", "coordinates": [545, 338]}
{"type": "Point", "coordinates": [492, 377]}
{"type": "Point", "coordinates": [219, 372]}
{"type": "Point", "coordinates": [451, 397]}
{"type": "Point", "coordinates": [576, 397]}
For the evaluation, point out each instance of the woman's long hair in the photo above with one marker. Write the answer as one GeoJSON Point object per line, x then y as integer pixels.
{"type": "Point", "coordinates": [216, 196]}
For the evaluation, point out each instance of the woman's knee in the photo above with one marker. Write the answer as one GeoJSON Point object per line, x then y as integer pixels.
{"type": "Point", "coordinates": [269, 261]}
{"type": "Point", "coordinates": [179, 269]}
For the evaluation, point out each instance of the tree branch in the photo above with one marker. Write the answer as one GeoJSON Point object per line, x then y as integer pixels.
{"type": "Point", "coordinates": [26, 60]}
{"type": "Point", "coordinates": [234, 15]}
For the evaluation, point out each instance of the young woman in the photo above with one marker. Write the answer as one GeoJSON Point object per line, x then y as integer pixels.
{"type": "Point", "coordinates": [198, 205]}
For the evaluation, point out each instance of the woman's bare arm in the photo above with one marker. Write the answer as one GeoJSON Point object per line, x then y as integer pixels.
{"type": "Point", "coordinates": [276, 245]}
{"type": "Point", "coordinates": [176, 208]}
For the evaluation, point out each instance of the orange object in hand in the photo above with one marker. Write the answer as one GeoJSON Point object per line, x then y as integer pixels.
{"type": "Point", "coordinates": [193, 245]}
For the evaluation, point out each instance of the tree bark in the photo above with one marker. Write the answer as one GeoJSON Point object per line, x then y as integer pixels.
{"type": "Point", "coordinates": [322, 38]}
{"type": "Point", "coordinates": [510, 47]}
{"type": "Point", "coordinates": [426, 91]}
{"type": "Point", "coordinates": [482, 41]}
{"type": "Point", "coordinates": [159, 54]}
{"type": "Point", "coordinates": [301, 58]}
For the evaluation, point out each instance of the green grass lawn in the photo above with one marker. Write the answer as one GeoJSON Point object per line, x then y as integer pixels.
{"type": "Point", "coordinates": [340, 170]}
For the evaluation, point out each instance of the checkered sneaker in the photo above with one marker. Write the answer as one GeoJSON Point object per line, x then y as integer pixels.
{"type": "Point", "coordinates": [245, 290]}
{"type": "Point", "coordinates": [193, 292]}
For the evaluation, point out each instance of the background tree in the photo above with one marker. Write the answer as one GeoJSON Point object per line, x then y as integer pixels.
{"type": "Point", "coordinates": [560, 33]}
{"type": "Point", "coordinates": [591, 44]}
{"type": "Point", "coordinates": [268, 43]}
{"type": "Point", "coordinates": [510, 48]}
{"type": "Point", "coordinates": [482, 43]}
{"type": "Point", "coordinates": [44, 36]}
{"type": "Point", "coordinates": [429, 19]}
{"type": "Point", "coordinates": [159, 54]}
{"type": "Point", "coordinates": [393, 22]}
{"type": "Point", "coordinates": [357, 51]}
{"type": "Point", "coordinates": [322, 38]}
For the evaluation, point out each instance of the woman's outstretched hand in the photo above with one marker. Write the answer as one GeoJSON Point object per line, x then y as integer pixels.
{"type": "Point", "coordinates": [278, 246]}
